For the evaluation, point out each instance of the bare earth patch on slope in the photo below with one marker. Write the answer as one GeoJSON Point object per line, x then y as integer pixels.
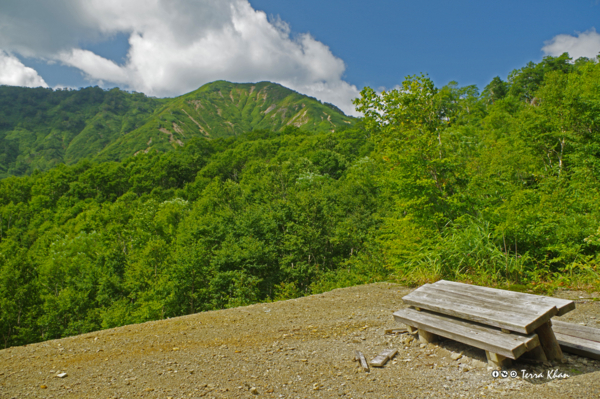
{"type": "Point", "coordinates": [296, 348]}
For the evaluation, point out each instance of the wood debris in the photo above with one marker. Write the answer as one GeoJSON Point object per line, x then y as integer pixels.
{"type": "Point", "coordinates": [396, 331]}
{"type": "Point", "coordinates": [381, 359]}
{"type": "Point", "coordinates": [361, 358]}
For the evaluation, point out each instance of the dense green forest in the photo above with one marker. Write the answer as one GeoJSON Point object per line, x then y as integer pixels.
{"type": "Point", "coordinates": [499, 187]}
{"type": "Point", "coordinates": [41, 128]}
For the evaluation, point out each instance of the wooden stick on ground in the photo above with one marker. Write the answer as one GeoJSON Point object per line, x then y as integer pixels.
{"type": "Point", "coordinates": [396, 331]}
{"type": "Point", "coordinates": [362, 360]}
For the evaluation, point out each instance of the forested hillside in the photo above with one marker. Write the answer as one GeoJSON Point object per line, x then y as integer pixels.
{"type": "Point", "coordinates": [495, 188]}
{"type": "Point", "coordinates": [223, 109]}
{"type": "Point", "coordinates": [40, 128]}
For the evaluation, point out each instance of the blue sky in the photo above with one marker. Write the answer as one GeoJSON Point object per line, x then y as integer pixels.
{"type": "Point", "coordinates": [466, 41]}
{"type": "Point", "coordinates": [329, 50]}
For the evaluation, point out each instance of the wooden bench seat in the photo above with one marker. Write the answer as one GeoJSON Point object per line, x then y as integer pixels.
{"type": "Point", "coordinates": [520, 298]}
{"type": "Point", "coordinates": [577, 339]}
{"type": "Point", "coordinates": [514, 311]}
{"type": "Point", "coordinates": [494, 309]}
{"type": "Point", "coordinates": [492, 340]}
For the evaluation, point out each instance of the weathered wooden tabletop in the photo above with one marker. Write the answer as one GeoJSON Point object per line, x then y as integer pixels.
{"type": "Point", "coordinates": [512, 311]}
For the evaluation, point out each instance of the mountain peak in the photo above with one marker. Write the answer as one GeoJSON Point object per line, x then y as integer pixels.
{"type": "Point", "coordinates": [40, 128]}
{"type": "Point", "coordinates": [224, 109]}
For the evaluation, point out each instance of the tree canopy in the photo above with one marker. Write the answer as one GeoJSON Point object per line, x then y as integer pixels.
{"type": "Point", "coordinates": [497, 188]}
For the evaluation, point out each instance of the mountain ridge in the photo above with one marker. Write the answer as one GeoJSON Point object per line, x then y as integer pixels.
{"type": "Point", "coordinates": [224, 109]}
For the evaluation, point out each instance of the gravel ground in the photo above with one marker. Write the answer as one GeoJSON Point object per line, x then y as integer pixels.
{"type": "Point", "coordinates": [302, 348]}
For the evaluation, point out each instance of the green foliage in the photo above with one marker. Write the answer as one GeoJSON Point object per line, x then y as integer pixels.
{"type": "Point", "coordinates": [496, 90]}
{"type": "Point", "coordinates": [217, 223]}
{"type": "Point", "coordinates": [494, 194]}
{"type": "Point", "coordinates": [499, 188]}
{"type": "Point", "coordinates": [525, 82]}
{"type": "Point", "coordinates": [41, 128]}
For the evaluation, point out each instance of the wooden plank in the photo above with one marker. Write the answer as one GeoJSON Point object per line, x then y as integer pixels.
{"type": "Point", "coordinates": [381, 359]}
{"type": "Point", "coordinates": [477, 310]}
{"type": "Point", "coordinates": [579, 346]}
{"type": "Point", "coordinates": [548, 342]}
{"type": "Point", "coordinates": [504, 299]}
{"type": "Point", "coordinates": [390, 353]}
{"type": "Point", "coordinates": [483, 337]}
{"type": "Point", "coordinates": [493, 302]}
{"type": "Point", "coordinates": [576, 330]}
{"type": "Point", "coordinates": [562, 305]}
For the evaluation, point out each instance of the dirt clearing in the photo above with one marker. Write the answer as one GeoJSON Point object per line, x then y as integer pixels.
{"type": "Point", "coordinates": [302, 348]}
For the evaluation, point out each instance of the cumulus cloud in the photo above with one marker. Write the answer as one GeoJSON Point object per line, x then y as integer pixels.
{"type": "Point", "coordinates": [95, 67]}
{"type": "Point", "coordinates": [14, 73]}
{"type": "Point", "coordinates": [177, 45]}
{"type": "Point", "coordinates": [586, 44]}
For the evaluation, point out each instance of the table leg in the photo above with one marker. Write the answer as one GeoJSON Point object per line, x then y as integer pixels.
{"type": "Point", "coordinates": [548, 342]}
{"type": "Point", "coordinates": [425, 337]}
{"type": "Point", "coordinates": [536, 354]}
{"type": "Point", "coordinates": [497, 360]}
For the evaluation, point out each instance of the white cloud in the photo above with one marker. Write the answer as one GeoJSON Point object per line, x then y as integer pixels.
{"type": "Point", "coordinates": [178, 45]}
{"type": "Point", "coordinates": [586, 44]}
{"type": "Point", "coordinates": [36, 28]}
{"type": "Point", "coordinates": [95, 67]}
{"type": "Point", "coordinates": [14, 73]}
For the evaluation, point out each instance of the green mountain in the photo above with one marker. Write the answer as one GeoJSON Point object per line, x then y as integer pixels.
{"type": "Point", "coordinates": [40, 128]}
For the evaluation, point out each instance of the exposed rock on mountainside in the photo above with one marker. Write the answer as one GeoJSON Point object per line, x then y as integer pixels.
{"type": "Point", "coordinates": [223, 109]}
{"type": "Point", "coordinates": [40, 128]}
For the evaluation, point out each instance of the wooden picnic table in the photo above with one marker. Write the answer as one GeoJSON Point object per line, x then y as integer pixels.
{"type": "Point", "coordinates": [511, 312]}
